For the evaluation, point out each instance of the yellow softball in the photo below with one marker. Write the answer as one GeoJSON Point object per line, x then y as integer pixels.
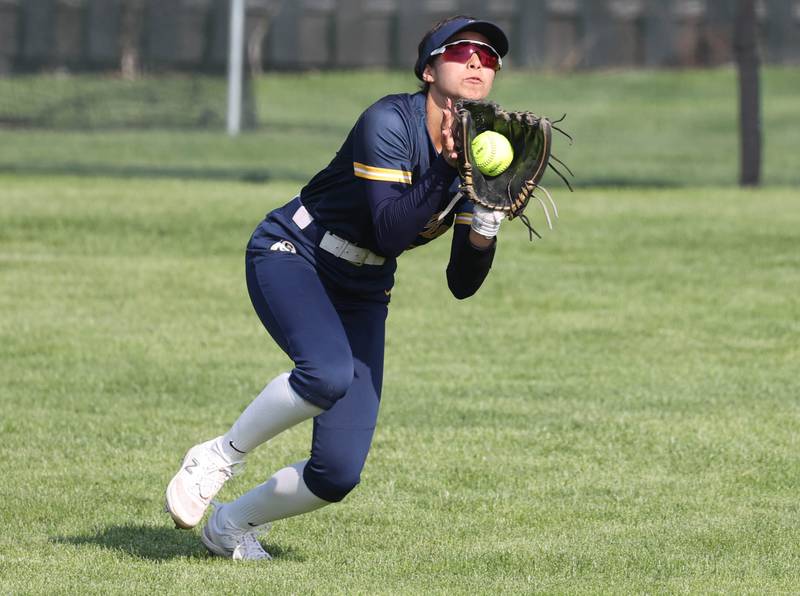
{"type": "Point", "coordinates": [492, 152]}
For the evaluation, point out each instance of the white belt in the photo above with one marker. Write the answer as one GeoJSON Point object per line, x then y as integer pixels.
{"type": "Point", "coordinates": [339, 247]}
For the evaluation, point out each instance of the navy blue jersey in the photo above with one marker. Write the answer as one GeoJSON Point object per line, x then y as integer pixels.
{"type": "Point", "coordinates": [384, 191]}
{"type": "Point", "coordinates": [387, 184]}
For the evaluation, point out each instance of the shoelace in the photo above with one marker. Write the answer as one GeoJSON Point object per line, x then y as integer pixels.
{"type": "Point", "coordinates": [213, 476]}
{"type": "Point", "coordinates": [249, 548]}
{"type": "Point", "coordinates": [247, 545]}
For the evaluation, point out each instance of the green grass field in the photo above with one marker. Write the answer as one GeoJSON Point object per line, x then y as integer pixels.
{"type": "Point", "coordinates": [616, 411]}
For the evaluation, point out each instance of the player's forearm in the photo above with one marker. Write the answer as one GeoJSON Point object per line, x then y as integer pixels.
{"type": "Point", "coordinates": [480, 242]}
{"type": "Point", "coordinates": [469, 264]}
{"type": "Point", "coordinates": [398, 219]}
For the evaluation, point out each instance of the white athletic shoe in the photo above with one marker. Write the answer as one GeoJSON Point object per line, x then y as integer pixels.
{"type": "Point", "coordinates": [203, 472]}
{"type": "Point", "coordinates": [226, 541]}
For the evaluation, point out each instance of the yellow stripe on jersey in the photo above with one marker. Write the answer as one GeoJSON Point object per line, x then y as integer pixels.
{"type": "Point", "coordinates": [381, 174]}
{"type": "Point", "coordinates": [464, 218]}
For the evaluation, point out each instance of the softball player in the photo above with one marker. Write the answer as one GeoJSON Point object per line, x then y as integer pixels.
{"type": "Point", "coordinates": [319, 272]}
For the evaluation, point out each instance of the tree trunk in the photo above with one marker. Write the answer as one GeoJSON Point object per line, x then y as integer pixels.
{"type": "Point", "coordinates": [131, 20]}
{"type": "Point", "coordinates": [746, 50]}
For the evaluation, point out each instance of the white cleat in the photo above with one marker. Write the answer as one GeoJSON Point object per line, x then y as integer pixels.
{"type": "Point", "coordinates": [224, 540]}
{"type": "Point", "coordinates": [203, 472]}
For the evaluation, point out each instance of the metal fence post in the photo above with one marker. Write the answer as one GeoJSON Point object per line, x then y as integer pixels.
{"type": "Point", "coordinates": [236, 49]}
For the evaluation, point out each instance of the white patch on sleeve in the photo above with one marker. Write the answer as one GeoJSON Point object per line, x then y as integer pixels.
{"type": "Point", "coordinates": [283, 246]}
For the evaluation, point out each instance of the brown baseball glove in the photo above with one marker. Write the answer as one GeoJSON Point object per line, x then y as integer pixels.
{"type": "Point", "coordinates": [531, 139]}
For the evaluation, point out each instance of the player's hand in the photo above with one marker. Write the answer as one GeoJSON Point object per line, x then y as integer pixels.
{"type": "Point", "coordinates": [448, 141]}
{"type": "Point", "coordinates": [486, 222]}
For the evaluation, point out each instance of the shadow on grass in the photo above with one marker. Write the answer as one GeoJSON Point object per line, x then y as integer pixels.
{"type": "Point", "coordinates": [158, 543]}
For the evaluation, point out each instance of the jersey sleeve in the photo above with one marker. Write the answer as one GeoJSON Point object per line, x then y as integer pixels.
{"type": "Point", "coordinates": [383, 161]}
{"type": "Point", "coordinates": [463, 211]}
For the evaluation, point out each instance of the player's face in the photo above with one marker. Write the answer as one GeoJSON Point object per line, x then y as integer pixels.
{"type": "Point", "coordinates": [456, 79]}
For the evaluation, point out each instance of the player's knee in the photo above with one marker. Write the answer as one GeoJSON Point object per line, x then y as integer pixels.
{"type": "Point", "coordinates": [326, 381]}
{"type": "Point", "coordinates": [332, 380]}
{"type": "Point", "coordinates": [333, 482]}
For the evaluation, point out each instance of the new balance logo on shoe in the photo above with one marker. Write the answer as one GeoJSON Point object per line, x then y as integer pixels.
{"type": "Point", "coordinates": [201, 475]}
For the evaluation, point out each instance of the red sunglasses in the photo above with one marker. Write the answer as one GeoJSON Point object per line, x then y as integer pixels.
{"type": "Point", "coordinates": [462, 51]}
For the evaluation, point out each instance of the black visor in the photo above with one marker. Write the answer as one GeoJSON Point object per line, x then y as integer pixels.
{"type": "Point", "coordinates": [497, 39]}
